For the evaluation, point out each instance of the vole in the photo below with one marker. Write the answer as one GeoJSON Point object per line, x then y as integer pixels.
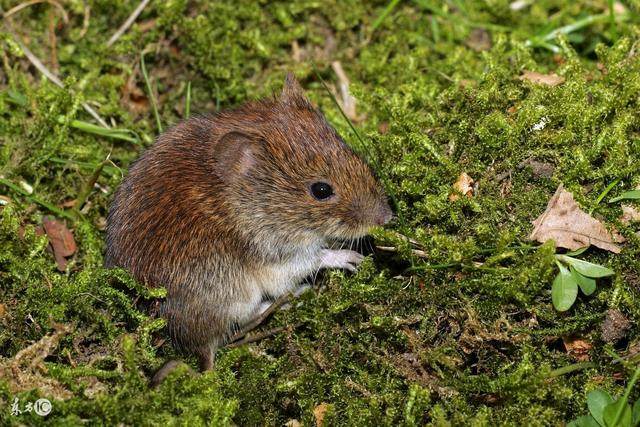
{"type": "Point", "coordinates": [231, 211]}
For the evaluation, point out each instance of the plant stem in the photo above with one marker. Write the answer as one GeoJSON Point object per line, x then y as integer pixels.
{"type": "Point", "coordinates": [571, 368]}
{"type": "Point", "coordinates": [387, 10]}
{"type": "Point", "coordinates": [625, 396]}
{"type": "Point", "coordinates": [34, 199]}
{"type": "Point", "coordinates": [152, 97]}
{"type": "Point", "coordinates": [187, 101]}
{"type": "Point", "coordinates": [604, 194]}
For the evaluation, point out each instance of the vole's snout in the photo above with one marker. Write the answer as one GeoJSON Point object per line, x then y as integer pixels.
{"type": "Point", "coordinates": [384, 215]}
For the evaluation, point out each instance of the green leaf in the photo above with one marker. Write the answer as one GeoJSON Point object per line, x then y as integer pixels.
{"type": "Point", "coordinates": [564, 290]}
{"type": "Point", "coordinates": [586, 268]}
{"type": "Point", "coordinates": [597, 400]}
{"type": "Point", "coordinates": [629, 195]}
{"type": "Point", "coordinates": [587, 284]}
{"type": "Point", "coordinates": [636, 413]}
{"type": "Point", "coordinates": [584, 421]}
{"type": "Point", "coordinates": [577, 251]}
{"type": "Point", "coordinates": [611, 410]}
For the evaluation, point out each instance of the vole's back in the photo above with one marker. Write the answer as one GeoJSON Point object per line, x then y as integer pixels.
{"type": "Point", "coordinates": [166, 226]}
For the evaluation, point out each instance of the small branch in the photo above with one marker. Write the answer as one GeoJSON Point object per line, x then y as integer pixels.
{"type": "Point", "coordinates": [26, 4]}
{"type": "Point", "coordinates": [416, 252]}
{"type": "Point", "coordinates": [85, 19]}
{"type": "Point", "coordinates": [130, 20]}
{"type": "Point", "coordinates": [259, 336]}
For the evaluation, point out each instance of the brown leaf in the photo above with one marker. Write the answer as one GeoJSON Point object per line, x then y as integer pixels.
{"type": "Point", "coordinates": [61, 241]}
{"type": "Point", "coordinates": [545, 79]}
{"type": "Point", "coordinates": [345, 99]}
{"type": "Point", "coordinates": [570, 227]}
{"type": "Point", "coordinates": [319, 412]}
{"type": "Point", "coordinates": [464, 185]}
{"type": "Point", "coordinates": [629, 214]}
{"type": "Point", "coordinates": [577, 348]}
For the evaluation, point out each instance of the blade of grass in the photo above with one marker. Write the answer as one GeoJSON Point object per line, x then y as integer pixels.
{"type": "Point", "coordinates": [187, 101]}
{"type": "Point", "coordinates": [121, 134]}
{"type": "Point", "coordinates": [88, 185]}
{"type": "Point", "coordinates": [152, 97]}
{"type": "Point", "coordinates": [570, 28]}
{"type": "Point", "coordinates": [625, 396]}
{"type": "Point", "coordinates": [612, 20]}
{"type": "Point", "coordinates": [111, 170]}
{"type": "Point", "coordinates": [387, 10]}
{"type": "Point", "coordinates": [604, 194]}
{"type": "Point", "coordinates": [30, 197]}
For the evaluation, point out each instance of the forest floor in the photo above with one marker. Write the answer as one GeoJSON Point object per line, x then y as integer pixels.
{"type": "Point", "coordinates": [449, 321]}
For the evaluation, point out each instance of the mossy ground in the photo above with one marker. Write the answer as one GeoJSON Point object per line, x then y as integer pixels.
{"type": "Point", "coordinates": [475, 344]}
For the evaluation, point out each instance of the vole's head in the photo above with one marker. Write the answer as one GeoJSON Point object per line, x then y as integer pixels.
{"type": "Point", "coordinates": [289, 173]}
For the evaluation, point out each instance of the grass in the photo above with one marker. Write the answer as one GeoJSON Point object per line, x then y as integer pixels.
{"type": "Point", "coordinates": [454, 327]}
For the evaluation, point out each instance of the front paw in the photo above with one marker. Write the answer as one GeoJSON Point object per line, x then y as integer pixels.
{"type": "Point", "coordinates": [341, 258]}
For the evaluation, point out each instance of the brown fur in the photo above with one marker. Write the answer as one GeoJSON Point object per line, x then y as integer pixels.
{"type": "Point", "coordinates": [220, 203]}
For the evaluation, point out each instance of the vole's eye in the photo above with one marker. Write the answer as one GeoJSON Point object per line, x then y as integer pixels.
{"type": "Point", "coordinates": [321, 190]}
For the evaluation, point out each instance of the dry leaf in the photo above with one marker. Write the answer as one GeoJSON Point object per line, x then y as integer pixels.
{"type": "Point", "coordinates": [570, 227]}
{"type": "Point", "coordinates": [61, 241]}
{"type": "Point", "coordinates": [293, 423]}
{"type": "Point", "coordinates": [319, 412]}
{"type": "Point", "coordinates": [346, 100]}
{"type": "Point", "coordinates": [577, 348]}
{"type": "Point", "coordinates": [545, 79]}
{"type": "Point", "coordinates": [629, 214]}
{"type": "Point", "coordinates": [464, 185]}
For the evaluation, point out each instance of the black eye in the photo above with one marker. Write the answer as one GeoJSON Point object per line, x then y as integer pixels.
{"type": "Point", "coordinates": [321, 190]}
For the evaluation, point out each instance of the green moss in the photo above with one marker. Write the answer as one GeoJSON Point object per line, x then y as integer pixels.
{"type": "Point", "coordinates": [470, 344]}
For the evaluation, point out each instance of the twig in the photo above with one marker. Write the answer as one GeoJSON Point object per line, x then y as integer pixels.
{"type": "Point", "coordinates": [348, 101]}
{"type": "Point", "coordinates": [26, 4]}
{"type": "Point", "coordinates": [85, 19]}
{"type": "Point", "coordinates": [259, 336]}
{"type": "Point", "coordinates": [130, 20]}
{"type": "Point", "coordinates": [261, 318]}
{"type": "Point", "coordinates": [416, 252]}
{"type": "Point", "coordinates": [53, 42]}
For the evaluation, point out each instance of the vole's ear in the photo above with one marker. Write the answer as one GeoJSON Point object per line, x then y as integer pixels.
{"type": "Point", "coordinates": [236, 154]}
{"type": "Point", "coordinates": [292, 92]}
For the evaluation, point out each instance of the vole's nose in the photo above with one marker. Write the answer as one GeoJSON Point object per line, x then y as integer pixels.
{"type": "Point", "coordinates": [384, 215]}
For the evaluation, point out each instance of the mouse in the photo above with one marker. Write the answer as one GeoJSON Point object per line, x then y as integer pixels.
{"type": "Point", "coordinates": [233, 210]}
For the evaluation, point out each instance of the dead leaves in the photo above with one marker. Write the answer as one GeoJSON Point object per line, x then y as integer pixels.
{"type": "Point", "coordinates": [319, 413]}
{"type": "Point", "coordinates": [26, 370]}
{"type": "Point", "coordinates": [577, 348]}
{"type": "Point", "coordinates": [345, 99]}
{"type": "Point", "coordinates": [543, 79]}
{"type": "Point", "coordinates": [60, 240]}
{"type": "Point", "coordinates": [463, 185]}
{"type": "Point", "coordinates": [570, 227]}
